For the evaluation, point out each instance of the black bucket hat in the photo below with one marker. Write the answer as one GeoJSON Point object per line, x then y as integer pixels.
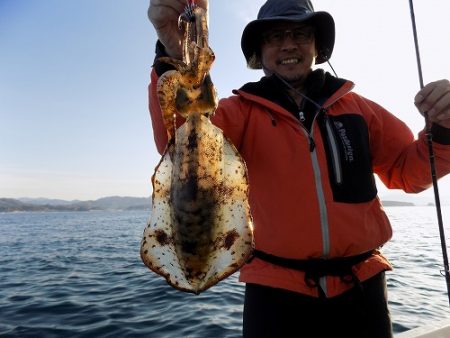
{"type": "Point", "coordinates": [288, 11]}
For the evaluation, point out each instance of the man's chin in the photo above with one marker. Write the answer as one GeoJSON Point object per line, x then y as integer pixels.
{"type": "Point", "coordinates": [293, 79]}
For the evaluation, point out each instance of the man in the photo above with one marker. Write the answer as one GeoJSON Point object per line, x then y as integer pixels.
{"type": "Point", "coordinates": [312, 147]}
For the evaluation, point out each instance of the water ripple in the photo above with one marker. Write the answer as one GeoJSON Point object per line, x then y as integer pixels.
{"type": "Point", "coordinates": [80, 275]}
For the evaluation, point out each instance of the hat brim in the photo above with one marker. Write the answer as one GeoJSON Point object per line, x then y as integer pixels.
{"type": "Point", "coordinates": [322, 22]}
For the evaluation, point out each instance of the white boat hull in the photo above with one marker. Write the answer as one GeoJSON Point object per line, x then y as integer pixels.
{"type": "Point", "coordinates": [437, 330]}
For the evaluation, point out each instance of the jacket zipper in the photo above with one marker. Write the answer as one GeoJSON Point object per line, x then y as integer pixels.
{"type": "Point", "coordinates": [336, 158]}
{"type": "Point", "coordinates": [320, 197]}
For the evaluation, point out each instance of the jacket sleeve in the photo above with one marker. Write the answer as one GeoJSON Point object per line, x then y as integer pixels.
{"type": "Point", "coordinates": [229, 116]}
{"type": "Point", "coordinates": [159, 131]}
{"type": "Point", "coordinates": [400, 160]}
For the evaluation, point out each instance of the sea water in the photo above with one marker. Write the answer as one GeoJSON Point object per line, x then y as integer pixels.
{"type": "Point", "coordinates": [79, 274]}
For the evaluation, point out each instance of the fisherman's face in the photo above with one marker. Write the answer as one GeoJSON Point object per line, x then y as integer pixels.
{"type": "Point", "coordinates": [289, 50]}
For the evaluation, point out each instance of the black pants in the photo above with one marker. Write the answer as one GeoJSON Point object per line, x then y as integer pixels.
{"type": "Point", "coordinates": [357, 313]}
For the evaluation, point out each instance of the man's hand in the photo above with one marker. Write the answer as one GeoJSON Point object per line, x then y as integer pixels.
{"type": "Point", "coordinates": [163, 14]}
{"type": "Point", "coordinates": [434, 98]}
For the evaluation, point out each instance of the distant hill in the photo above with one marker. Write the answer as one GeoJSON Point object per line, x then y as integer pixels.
{"type": "Point", "coordinates": [46, 201]}
{"type": "Point", "coordinates": [397, 204]}
{"type": "Point", "coordinates": [105, 203]}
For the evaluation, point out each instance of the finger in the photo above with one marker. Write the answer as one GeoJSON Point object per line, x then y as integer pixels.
{"type": "Point", "coordinates": [165, 8]}
{"type": "Point", "coordinates": [428, 89]}
{"type": "Point", "coordinates": [169, 3]}
{"type": "Point", "coordinates": [433, 97]}
{"type": "Point", "coordinates": [441, 110]}
{"type": "Point", "coordinates": [202, 3]}
{"type": "Point", "coordinates": [435, 101]}
{"type": "Point", "coordinates": [179, 5]}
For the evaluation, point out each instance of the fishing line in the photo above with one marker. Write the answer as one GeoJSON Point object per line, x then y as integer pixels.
{"type": "Point", "coordinates": [329, 64]}
{"type": "Point", "coordinates": [431, 157]}
{"type": "Point", "coordinates": [287, 84]}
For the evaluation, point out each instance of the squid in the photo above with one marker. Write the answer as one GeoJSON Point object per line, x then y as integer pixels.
{"type": "Point", "coordinates": [200, 229]}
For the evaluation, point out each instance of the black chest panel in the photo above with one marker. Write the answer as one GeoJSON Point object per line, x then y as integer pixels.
{"type": "Point", "coordinates": [346, 141]}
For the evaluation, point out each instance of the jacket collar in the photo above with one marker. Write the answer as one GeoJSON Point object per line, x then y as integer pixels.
{"type": "Point", "coordinates": [320, 87]}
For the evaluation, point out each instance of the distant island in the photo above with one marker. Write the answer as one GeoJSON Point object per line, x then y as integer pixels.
{"type": "Point", "coordinates": [105, 203]}
{"type": "Point", "coordinates": [397, 204]}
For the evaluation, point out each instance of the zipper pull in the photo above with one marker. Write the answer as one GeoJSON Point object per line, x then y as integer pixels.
{"type": "Point", "coordinates": [302, 116]}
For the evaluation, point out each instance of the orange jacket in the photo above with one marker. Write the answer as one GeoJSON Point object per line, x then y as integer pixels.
{"type": "Point", "coordinates": [313, 195]}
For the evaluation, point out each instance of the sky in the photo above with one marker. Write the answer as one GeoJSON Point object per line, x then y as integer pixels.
{"type": "Point", "coordinates": [74, 121]}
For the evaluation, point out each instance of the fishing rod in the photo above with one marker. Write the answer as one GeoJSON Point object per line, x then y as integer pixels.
{"type": "Point", "coordinates": [431, 158]}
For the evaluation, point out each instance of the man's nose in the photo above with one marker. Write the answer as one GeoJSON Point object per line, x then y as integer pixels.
{"type": "Point", "coordinates": [288, 41]}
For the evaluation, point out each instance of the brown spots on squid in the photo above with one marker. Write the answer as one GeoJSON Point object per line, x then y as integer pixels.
{"type": "Point", "coordinates": [230, 238]}
{"type": "Point", "coordinates": [162, 237]}
{"type": "Point", "coordinates": [225, 192]}
{"type": "Point", "coordinates": [227, 240]}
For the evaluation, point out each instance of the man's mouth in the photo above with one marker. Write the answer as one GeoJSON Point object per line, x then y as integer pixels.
{"type": "Point", "coordinates": [289, 61]}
